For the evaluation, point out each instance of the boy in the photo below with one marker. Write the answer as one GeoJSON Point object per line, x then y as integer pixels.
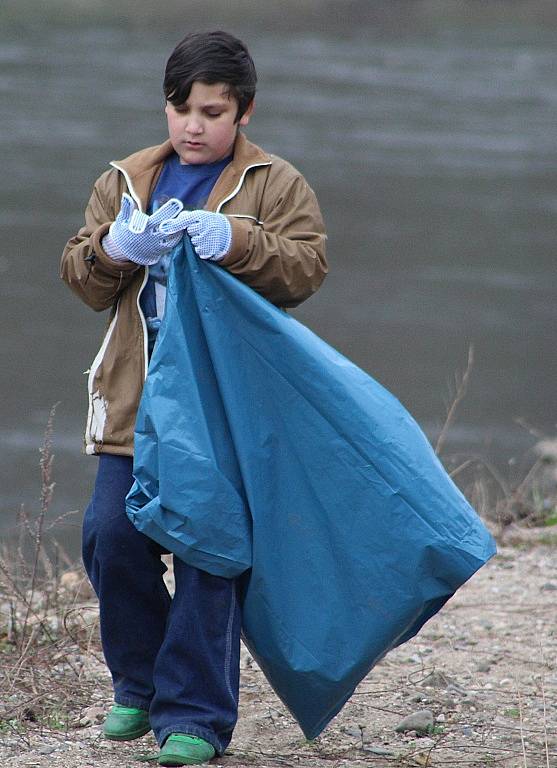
{"type": "Point", "coordinates": [175, 662]}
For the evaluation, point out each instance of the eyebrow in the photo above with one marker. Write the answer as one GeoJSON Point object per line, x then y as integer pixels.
{"type": "Point", "coordinates": [216, 104]}
{"type": "Point", "coordinates": [209, 105]}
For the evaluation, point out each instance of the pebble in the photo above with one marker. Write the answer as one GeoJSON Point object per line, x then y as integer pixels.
{"type": "Point", "coordinates": [379, 751]}
{"type": "Point", "coordinates": [449, 702]}
{"type": "Point", "coordinates": [469, 701]}
{"type": "Point", "coordinates": [439, 680]}
{"type": "Point", "coordinates": [91, 716]}
{"type": "Point", "coordinates": [420, 721]}
{"type": "Point", "coordinates": [417, 697]}
{"type": "Point", "coordinates": [46, 750]}
{"type": "Point", "coordinates": [549, 586]}
{"type": "Point", "coordinates": [456, 689]}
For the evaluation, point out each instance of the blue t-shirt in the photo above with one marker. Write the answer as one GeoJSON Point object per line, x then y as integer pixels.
{"type": "Point", "coordinates": [192, 184]}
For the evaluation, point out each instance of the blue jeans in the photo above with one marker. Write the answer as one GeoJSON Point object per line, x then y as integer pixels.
{"type": "Point", "coordinates": [178, 658]}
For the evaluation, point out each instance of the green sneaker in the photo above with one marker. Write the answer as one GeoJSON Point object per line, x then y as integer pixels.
{"type": "Point", "coordinates": [126, 723]}
{"type": "Point", "coordinates": [181, 749]}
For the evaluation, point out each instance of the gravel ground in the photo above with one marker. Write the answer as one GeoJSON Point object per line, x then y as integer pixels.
{"type": "Point", "coordinates": [483, 673]}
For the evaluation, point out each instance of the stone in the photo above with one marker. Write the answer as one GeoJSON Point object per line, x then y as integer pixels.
{"type": "Point", "coordinates": [417, 697]}
{"type": "Point", "coordinates": [46, 750]}
{"type": "Point", "coordinates": [379, 751]}
{"type": "Point", "coordinates": [420, 721]}
{"type": "Point", "coordinates": [437, 680]}
{"type": "Point", "coordinates": [76, 583]}
{"type": "Point", "coordinates": [469, 701]}
{"type": "Point", "coordinates": [449, 702]}
{"type": "Point", "coordinates": [92, 715]}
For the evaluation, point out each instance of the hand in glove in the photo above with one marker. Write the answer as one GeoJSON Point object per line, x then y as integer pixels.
{"type": "Point", "coordinates": [210, 233]}
{"type": "Point", "coordinates": [137, 237]}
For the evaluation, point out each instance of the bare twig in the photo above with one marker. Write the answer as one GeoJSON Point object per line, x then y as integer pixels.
{"type": "Point", "coordinates": [545, 739]}
{"type": "Point", "coordinates": [461, 467]}
{"type": "Point", "coordinates": [461, 388]}
{"type": "Point", "coordinates": [521, 724]}
{"type": "Point", "coordinates": [30, 610]}
{"type": "Point", "coordinates": [47, 489]}
{"type": "Point", "coordinates": [544, 702]}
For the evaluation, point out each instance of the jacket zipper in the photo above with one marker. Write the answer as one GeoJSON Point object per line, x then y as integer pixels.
{"type": "Point", "coordinates": [135, 197]}
{"type": "Point", "coordinates": [91, 440]}
{"type": "Point", "coordinates": [128, 182]}
{"type": "Point", "coordinates": [145, 276]}
{"type": "Point", "coordinates": [137, 200]}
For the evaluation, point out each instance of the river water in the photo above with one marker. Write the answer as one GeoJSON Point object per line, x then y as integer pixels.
{"type": "Point", "coordinates": [433, 151]}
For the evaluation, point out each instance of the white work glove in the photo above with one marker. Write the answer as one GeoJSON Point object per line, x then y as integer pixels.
{"type": "Point", "coordinates": [210, 233]}
{"type": "Point", "coordinates": [135, 236]}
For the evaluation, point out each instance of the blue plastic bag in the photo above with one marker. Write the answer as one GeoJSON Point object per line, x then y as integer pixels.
{"type": "Point", "coordinates": [259, 446]}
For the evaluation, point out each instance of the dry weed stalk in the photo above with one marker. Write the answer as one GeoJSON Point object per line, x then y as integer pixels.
{"type": "Point", "coordinates": [521, 725]}
{"type": "Point", "coordinates": [524, 504]}
{"type": "Point", "coordinates": [461, 383]}
{"type": "Point", "coordinates": [47, 490]}
{"type": "Point", "coordinates": [39, 674]}
{"type": "Point", "coordinates": [545, 737]}
{"type": "Point", "coordinates": [544, 703]}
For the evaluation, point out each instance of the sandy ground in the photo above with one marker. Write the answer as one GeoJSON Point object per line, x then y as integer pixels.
{"type": "Point", "coordinates": [485, 668]}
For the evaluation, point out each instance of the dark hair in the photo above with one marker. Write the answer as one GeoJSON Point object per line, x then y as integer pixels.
{"type": "Point", "coordinates": [210, 57]}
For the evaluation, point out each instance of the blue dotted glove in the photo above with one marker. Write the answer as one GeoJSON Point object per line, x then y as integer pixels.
{"type": "Point", "coordinates": [137, 237]}
{"type": "Point", "coordinates": [210, 233]}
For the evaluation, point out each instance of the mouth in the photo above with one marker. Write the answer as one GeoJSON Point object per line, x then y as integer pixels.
{"type": "Point", "coordinates": [193, 144]}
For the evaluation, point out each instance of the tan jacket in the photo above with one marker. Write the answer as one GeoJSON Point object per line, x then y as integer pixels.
{"type": "Point", "coordinates": [278, 248]}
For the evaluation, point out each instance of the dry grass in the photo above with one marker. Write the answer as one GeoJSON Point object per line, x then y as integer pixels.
{"type": "Point", "coordinates": [48, 620]}
{"type": "Point", "coordinates": [52, 670]}
{"type": "Point", "coordinates": [530, 501]}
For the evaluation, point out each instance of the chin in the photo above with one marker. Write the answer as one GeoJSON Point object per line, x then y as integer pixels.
{"type": "Point", "coordinates": [192, 158]}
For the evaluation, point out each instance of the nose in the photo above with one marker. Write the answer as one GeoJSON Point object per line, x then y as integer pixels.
{"type": "Point", "coordinates": [194, 126]}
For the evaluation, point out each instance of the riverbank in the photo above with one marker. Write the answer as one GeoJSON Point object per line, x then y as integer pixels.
{"type": "Point", "coordinates": [476, 687]}
{"type": "Point", "coordinates": [485, 669]}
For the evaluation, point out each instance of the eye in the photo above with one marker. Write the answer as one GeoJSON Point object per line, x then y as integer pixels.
{"type": "Point", "coordinates": [214, 114]}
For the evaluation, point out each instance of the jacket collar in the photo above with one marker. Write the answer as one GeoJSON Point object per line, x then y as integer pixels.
{"type": "Point", "coordinates": [142, 169]}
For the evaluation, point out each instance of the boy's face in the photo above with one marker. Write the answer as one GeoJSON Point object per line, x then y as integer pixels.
{"type": "Point", "coordinates": [203, 129]}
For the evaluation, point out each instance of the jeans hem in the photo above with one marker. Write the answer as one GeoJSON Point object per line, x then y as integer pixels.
{"type": "Point", "coordinates": [191, 730]}
{"type": "Point", "coordinates": [130, 701]}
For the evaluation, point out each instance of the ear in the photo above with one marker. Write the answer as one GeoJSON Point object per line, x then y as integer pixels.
{"type": "Point", "coordinates": [244, 120]}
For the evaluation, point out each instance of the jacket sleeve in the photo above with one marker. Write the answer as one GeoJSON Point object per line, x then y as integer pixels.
{"type": "Point", "coordinates": [85, 267]}
{"type": "Point", "coordinates": [283, 256]}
